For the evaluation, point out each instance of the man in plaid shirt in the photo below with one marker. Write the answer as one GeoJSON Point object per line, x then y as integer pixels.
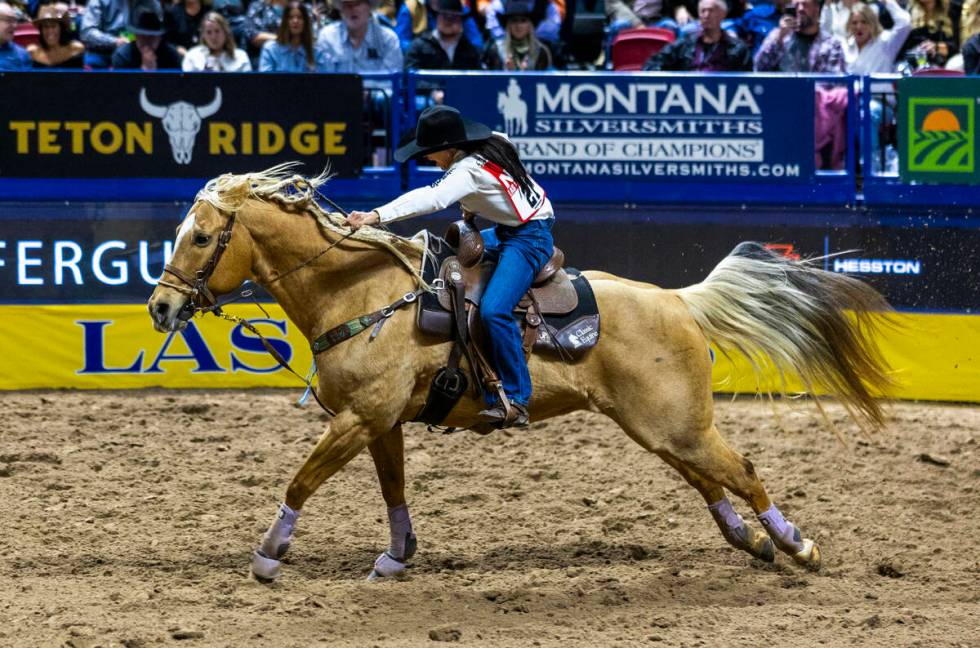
{"type": "Point", "coordinates": [797, 44]}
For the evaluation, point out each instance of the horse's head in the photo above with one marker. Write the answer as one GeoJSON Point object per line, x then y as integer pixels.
{"type": "Point", "coordinates": [212, 256]}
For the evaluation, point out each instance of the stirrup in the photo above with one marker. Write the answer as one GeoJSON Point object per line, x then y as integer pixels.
{"type": "Point", "coordinates": [505, 415]}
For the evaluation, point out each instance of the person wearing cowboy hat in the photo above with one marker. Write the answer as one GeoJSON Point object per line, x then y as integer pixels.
{"type": "Point", "coordinates": [484, 173]}
{"type": "Point", "coordinates": [148, 52]}
{"type": "Point", "coordinates": [545, 14]}
{"type": "Point", "coordinates": [358, 42]}
{"type": "Point", "coordinates": [416, 17]}
{"type": "Point", "coordinates": [57, 47]}
{"type": "Point", "coordinates": [520, 48]}
{"type": "Point", "coordinates": [446, 47]}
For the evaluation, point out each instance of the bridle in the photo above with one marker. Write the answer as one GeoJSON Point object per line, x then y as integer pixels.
{"type": "Point", "coordinates": [196, 288]}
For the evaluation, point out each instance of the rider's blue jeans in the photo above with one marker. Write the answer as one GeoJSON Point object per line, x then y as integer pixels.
{"type": "Point", "coordinates": [521, 252]}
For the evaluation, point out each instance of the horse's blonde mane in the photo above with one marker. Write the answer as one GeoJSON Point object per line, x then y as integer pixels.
{"type": "Point", "coordinates": [295, 193]}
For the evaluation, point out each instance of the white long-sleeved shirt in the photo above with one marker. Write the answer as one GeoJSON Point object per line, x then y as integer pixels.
{"type": "Point", "coordinates": [481, 187]}
{"type": "Point", "coordinates": [878, 55]}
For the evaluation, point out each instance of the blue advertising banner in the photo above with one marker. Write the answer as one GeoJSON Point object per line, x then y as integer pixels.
{"type": "Point", "coordinates": [650, 128]}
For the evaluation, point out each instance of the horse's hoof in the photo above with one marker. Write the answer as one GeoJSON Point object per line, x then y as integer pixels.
{"type": "Point", "coordinates": [265, 569]}
{"type": "Point", "coordinates": [387, 567]}
{"type": "Point", "coordinates": [763, 548]}
{"type": "Point", "coordinates": [809, 556]}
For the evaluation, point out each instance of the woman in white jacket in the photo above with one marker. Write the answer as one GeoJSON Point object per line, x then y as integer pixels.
{"type": "Point", "coordinates": [869, 49]}
{"type": "Point", "coordinates": [217, 51]}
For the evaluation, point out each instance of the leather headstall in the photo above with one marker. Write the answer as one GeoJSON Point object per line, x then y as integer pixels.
{"type": "Point", "coordinates": [201, 297]}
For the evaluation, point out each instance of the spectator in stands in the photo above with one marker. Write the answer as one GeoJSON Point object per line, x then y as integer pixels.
{"type": "Point", "coordinates": [931, 42]}
{"type": "Point", "coordinates": [183, 24]}
{"type": "Point", "coordinates": [12, 55]}
{"type": "Point", "coordinates": [262, 21]}
{"type": "Point", "coordinates": [712, 49]}
{"type": "Point", "coordinates": [969, 21]}
{"type": "Point", "coordinates": [58, 47]}
{"type": "Point", "coordinates": [358, 42]}
{"type": "Point", "coordinates": [103, 24]}
{"type": "Point", "coordinates": [148, 52]}
{"type": "Point", "coordinates": [293, 50]}
{"type": "Point", "coordinates": [417, 17]}
{"type": "Point", "coordinates": [736, 9]}
{"type": "Point", "coordinates": [758, 21]}
{"type": "Point", "coordinates": [669, 14]}
{"type": "Point", "coordinates": [445, 47]}
{"type": "Point", "coordinates": [233, 11]}
{"type": "Point", "coordinates": [971, 55]}
{"type": "Point", "coordinates": [798, 45]}
{"type": "Point", "coordinates": [869, 49]}
{"type": "Point", "coordinates": [520, 48]}
{"type": "Point", "coordinates": [834, 17]}
{"type": "Point", "coordinates": [545, 14]}
{"type": "Point", "coordinates": [217, 51]}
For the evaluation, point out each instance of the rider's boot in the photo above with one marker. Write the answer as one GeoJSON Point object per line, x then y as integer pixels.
{"type": "Point", "coordinates": [502, 416]}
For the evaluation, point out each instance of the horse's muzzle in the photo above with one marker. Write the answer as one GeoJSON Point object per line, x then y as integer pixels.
{"type": "Point", "coordinates": [170, 313]}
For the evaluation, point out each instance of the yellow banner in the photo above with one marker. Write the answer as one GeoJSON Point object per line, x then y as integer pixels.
{"type": "Point", "coordinates": [935, 357]}
{"type": "Point", "coordinates": [115, 347]}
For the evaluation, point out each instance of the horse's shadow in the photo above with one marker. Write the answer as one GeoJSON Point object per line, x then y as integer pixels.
{"type": "Point", "coordinates": [519, 558]}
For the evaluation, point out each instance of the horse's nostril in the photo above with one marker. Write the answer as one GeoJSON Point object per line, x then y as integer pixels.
{"type": "Point", "coordinates": [162, 308]}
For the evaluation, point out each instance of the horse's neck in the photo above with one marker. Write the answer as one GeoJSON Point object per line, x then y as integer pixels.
{"type": "Point", "coordinates": [350, 279]}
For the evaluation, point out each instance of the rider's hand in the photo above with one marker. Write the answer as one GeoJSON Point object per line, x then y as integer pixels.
{"type": "Point", "coordinates": [359, 219]}
{"type": "Point", "coordinates": [786, 25]}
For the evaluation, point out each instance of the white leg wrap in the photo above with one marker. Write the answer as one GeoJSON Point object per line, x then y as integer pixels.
{"type": "Point", "coordinates": [786, 536]}
{"type": "Point", "coordinates": [402, 545]}
{"type": "Point", "coordinates": [266, 559]}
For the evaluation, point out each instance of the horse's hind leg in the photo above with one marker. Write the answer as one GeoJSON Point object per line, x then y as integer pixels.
{"type": "Point", "coordinates": [733, 527]}
{"type": "Point", "coordinates": [710, 456]}
{"type": "Point", "coordinates": [388, 452]}
{"type": "Point", "coordinates": [345, 437]}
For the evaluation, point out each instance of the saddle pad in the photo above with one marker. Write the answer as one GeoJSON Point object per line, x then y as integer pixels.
{"type": "Point", "coordinates": [575, 332]}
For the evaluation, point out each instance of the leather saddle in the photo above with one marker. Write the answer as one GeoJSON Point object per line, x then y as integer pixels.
{"type": "Point", "coordinates": [555, 295]}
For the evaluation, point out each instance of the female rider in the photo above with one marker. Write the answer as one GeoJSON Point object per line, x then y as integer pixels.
{"type": "Point", "coordinates": [485, 174]}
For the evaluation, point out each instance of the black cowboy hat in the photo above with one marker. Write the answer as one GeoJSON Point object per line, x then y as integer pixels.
{"type": "Point", "coordinates": [439, 128]}
{"type": "Point", "coordinates": [451, 7]}
{"type": "Point", "coordinates": [519, 8]}
{"type": "Point", "coordinates": [146, 21]}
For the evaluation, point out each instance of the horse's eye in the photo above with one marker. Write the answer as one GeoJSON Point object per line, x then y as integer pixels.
{"type": "Point", "coordinates": [200, 240]}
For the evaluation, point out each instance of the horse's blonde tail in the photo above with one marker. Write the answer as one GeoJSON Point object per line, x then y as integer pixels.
{"type": "Point", "coordinates": [799, 319]}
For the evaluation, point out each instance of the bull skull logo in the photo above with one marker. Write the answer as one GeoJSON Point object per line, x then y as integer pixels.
{"type": "Point", "coordinates": [182, 121]}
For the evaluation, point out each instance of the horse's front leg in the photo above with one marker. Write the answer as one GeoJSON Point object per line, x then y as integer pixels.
{"type": "Point", "coordinates": [343, 440]}
{"type": "Point", "coordinates": [388, 452]}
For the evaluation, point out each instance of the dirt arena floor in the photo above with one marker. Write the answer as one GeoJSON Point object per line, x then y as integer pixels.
{"type": "Point", "coordinates": [129, 519]}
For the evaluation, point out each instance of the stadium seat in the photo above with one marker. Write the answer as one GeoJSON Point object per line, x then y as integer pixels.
{"type": "Point", "coordinates": [632, 47]}
{"type": "Point", "coordinates": [27, 34]}
{"type": "Point", "coordinates": [938, 72]}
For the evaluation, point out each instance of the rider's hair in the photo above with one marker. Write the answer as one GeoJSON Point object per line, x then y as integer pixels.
{"type": "Point", "coordinates": [500, 151]}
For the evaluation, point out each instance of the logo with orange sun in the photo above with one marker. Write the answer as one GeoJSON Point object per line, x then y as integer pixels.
{"type": "Point", "coordinates": [941, 135]}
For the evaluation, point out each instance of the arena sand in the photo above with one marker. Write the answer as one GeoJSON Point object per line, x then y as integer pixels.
{"type": "Point", "coordinates": [129, 519]}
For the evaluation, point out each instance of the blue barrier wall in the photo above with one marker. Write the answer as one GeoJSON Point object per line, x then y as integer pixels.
{"type": "Point", "coordinates": [783, 118]}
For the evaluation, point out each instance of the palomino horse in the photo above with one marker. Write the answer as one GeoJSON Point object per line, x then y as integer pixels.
{"type": "Point", "coordinates": [778, 312]}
